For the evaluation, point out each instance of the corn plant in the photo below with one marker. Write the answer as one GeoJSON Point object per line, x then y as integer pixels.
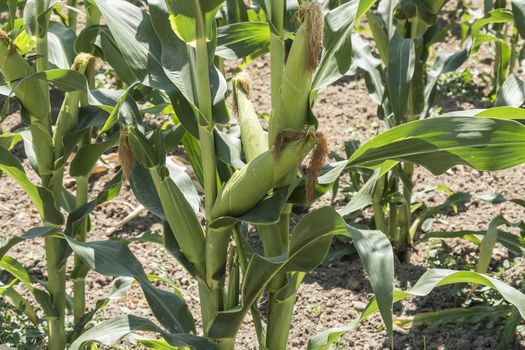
{"type": "Point", "coordinates": [404, 86]}
{"type": "Point", "coordinates": [468, 138]}
{"type": "Point", "coordinates": [254, 189]}
{"type": "Point", "coordinates": [166, 56]}
{"type": "Point", "coordinates": [52, 148]}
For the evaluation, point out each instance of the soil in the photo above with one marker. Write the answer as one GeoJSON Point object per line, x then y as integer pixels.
{"type": "Point", "coordinates": [335, 294]}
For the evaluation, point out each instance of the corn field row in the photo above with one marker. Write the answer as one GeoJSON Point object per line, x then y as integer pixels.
{"type": "Point", "coordinates": [188, 61]}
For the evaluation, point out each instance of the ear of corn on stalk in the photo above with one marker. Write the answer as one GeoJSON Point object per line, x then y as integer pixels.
{"type": "Point", "coordinates": [251, 184]}
{"type": "Point", "coordinates": [298, 73]}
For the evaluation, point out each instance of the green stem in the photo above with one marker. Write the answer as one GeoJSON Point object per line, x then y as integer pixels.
{"type": "Point", "coordinates": [216, 240]}
{"type": "Point", "coordinates": [209, 169]}
{"type": "Point", "coordinates": [202, 69]}
{"type": "Point", "coordinates": [57, 291]}
{"type": "Point", "coordinates": [280, 312]}
{"type": "Point", "coordinates": [202, 82]}
{"type": "Point", "coordinates": [513, 51]}
{"type": "Point", "coordinates": [53, 245]}
{"type": "Point", "coordinates": [407, 194]}
{"type": "Point", "coordinates": [379, 217]}
{"type": "Point", "coordinates": [80, 269]}
{"type": "Point", "coordinates": [72, 15]}
{"type": "Point", "coordinates": [393, 228]}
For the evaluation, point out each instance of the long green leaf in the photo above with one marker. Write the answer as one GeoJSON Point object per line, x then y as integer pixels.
{"type": "Point", "coordinates": [240, 40]}
{"type": "Point", "coordinates": [28, 235]}
{"type": "Point", "coordinates": [377, 256]}
{"type": "Point", "coordinates": [41, 197]}
{"type": "Point", "coordinates": [440, 143]}
{"type": "Point", "coordinates": [112, 258]}
{"type": "Point", "coordinates": [337, 54]}
{"type": "Point", "coordinates": [401, 65]}
{"type": "Point", "coordinates": [429, 281]}
{"type": "Point", "coordinates": [518, 11]}
{"type": "Point", "coordinates": [111, 331]}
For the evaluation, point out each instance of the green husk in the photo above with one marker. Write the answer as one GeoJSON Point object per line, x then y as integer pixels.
{"type": "Point", "coordinates": [298, 73]}
{"type": "Point", "coordinates": [253, 182]}
{"type": "Point", "coordinates": [254, 139]}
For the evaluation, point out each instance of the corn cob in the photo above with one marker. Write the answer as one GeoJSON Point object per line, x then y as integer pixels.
{"type": "Point", "coordinates": [298, 73]}
{"type": "Point", "coordinates": [250, 184]}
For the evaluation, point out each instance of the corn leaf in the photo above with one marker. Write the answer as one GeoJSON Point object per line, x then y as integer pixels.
{"type": "Point", "coordinates": [508, 113]}
{"type": "Point", "coordinates": [336, 58]}
{"type": "Point", "coordinates": [88, 155]}
{"type": "Point", "coordinates": [429, 281]}
{"type": "Point", "coordinates": [377, 257]}
{"type": "Point", "coordinates": [440, 277]}
{"type": "Point", "coordinates": [18, 271]}
{"type": "Point", "coordinates": [184, 14]}
{"type": "Point", "coordinates": [10, 294]}
{"type": "Point", "coordinates": [386, 10]}
{"type": "Point", "coordinates": [99, 39]}
{"type": "Point", "coordinates": [444, 63]}
{"type": "Point", "coordinates": [310, 242]}
{"type": "Point", "coordinates": [41, 197]}
{"type": "Point", "coordinates": [240, 40]}
{"type": "Point", "coordinates": [143, 188]}
{"type": "Point", "coordinates": [30, 234]}
{"type": "Point", "coordinates": [440, 143]}
{"type": "Point", "coordinates": [363, 197]}
{"type": "Point", "coordinates": [518, 11]}
{"type": "Point", "coordinates": [371, 68]}
{"type": "Point", "coordinates": [111, 258]}
{"type": "Point", "coordinates": [228, 149]}
{"type": "Point", "coordinates": [495, 16]}
{"type": "Point", "coordinates": [488, 243]}
{"type": "Point", "coordinates": [32, 19]}
{"type": "Point", "coordinates": [511, 93]}
{"type": "Point", "coordinates": [266, 212]}
{"type": "Point", "coordinates": [61, 42]}
{"type": "Point", "coordinates": [176, 60]}
{"type": "Point", "coordinates": [401, 65]}
{"type": "Point", "coordinates": [135, 37]}
{"type": "Point", "coordinates": [111, 331]}
{"type": "Point", "coordinates": [461, 316]}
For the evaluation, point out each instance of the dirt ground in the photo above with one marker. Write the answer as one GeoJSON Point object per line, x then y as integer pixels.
{"type": "Point", "coordinates": [331, 295]}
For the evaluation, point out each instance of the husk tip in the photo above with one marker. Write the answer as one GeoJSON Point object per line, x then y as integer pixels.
{"type": "Point", "coordinates": [311, 14]}
{"type": "Point", "coordinates": [242, 83]}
